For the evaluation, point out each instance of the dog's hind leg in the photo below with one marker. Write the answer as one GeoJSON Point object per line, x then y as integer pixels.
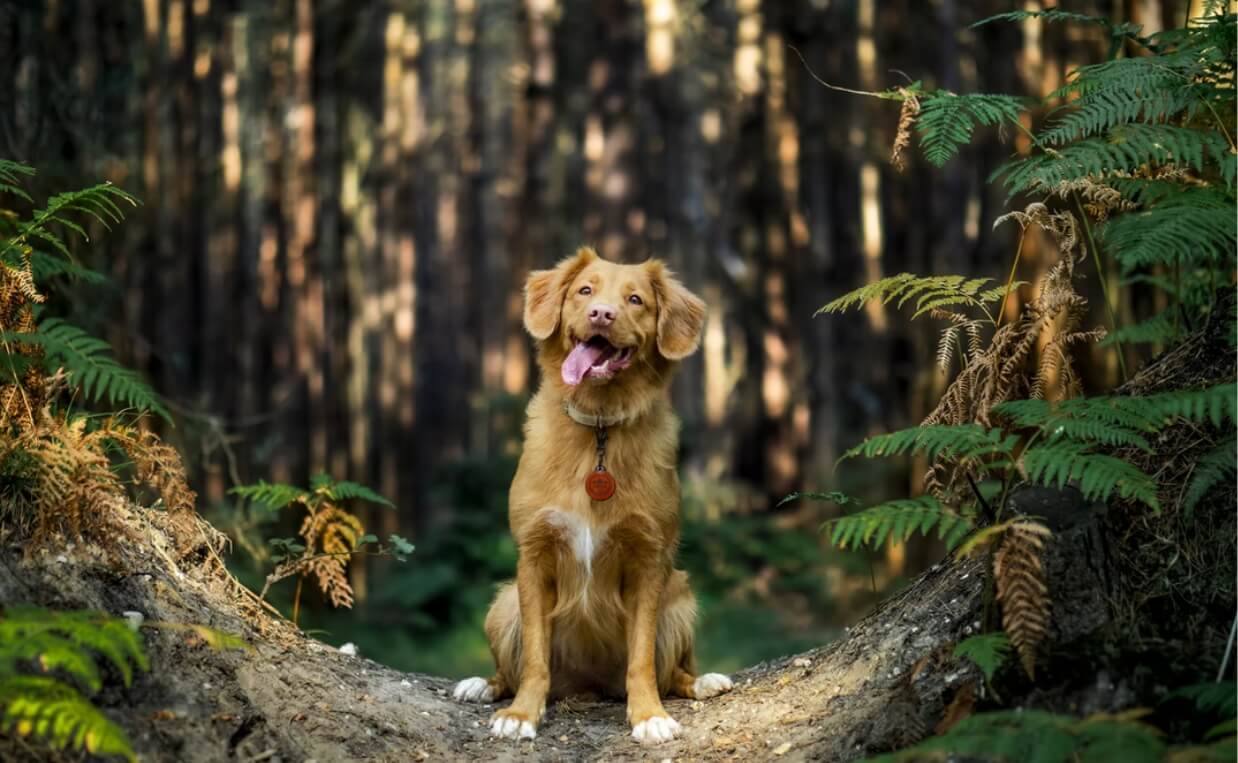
{"type": "Point", "coordinates": [676, 646]}
{"type": "Point", "coordinates": [503, 633]}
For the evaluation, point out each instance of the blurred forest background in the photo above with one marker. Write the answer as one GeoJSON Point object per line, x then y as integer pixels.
{"type": "Point", "coordinates": [341, 201]}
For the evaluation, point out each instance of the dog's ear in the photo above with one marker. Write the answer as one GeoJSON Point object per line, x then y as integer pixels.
{"type": "Point", "coordinates": [681, 314]}
{"type": "Point", "coordinates": [544, 291]}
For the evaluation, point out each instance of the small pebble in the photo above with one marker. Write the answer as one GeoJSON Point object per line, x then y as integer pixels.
{"type": "Point", "coordinates": [133, 619]}
{"type": "Point", "coordinates": [349, 649]}
{"type": "Point", "coordinates": [406, 684]}
{"type": "Point", "coordinates": [802, 662]}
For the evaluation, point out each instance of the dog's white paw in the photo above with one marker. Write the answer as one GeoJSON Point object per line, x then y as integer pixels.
{"type": "Point", "coordinates": [711, 685]}
{"type": "Point", "coordinates": [655, 730]}
{"type": "Point", "coordinates": [512, 728]}
{"type": "Point", "coordinates": [475, 689]}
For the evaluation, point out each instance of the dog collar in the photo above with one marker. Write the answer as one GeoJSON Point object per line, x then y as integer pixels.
{"type": "Point", "coordinates": [593, 419]}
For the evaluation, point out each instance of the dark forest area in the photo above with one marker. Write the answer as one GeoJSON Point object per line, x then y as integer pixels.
{"type": "Point", "coordinates": [956, 442]}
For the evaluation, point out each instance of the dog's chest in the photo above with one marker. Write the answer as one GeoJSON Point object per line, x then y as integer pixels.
{"type": "Point", "coordinates": [579, 538]}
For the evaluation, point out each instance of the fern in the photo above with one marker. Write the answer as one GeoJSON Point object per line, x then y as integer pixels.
{"type": "Point", "coordinates": [54, 712]}
{"type": "Point", "coordinates": [271, 496]}
{"type": "Point", "coordinates": [345, 490]}
{"type": "Point", "coordinates": [99, 202]}
{"type": "Point", "coordinates": [965, 441]}
{"type": "Point", "coordinates": [11, 174]}
{"type": "Point", "coordinates": [1041, 737]}
{"type": "Point", "coordinates": [947, 120]}
{"type": "Point", "coordinates": [1099, 476]}
{"type": "Point", "coordinates": [1217, 698]}
{"type": "Point", "coordinates": [1214, 468]}
{"type": "Point", "coordinates": [64, 643]}
{"type": "Point", "coordinates": [1173, 235]}
{"type": "Point", "coordinates": [989, 651]}
{"type": "Point", "coordinates": [896, 521]}
{"type": "Point", "coordinates": [89, 364]}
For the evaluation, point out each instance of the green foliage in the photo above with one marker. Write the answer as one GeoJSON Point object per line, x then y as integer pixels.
{"type": "Point", "coordinates": [947, 120]}
{"type": "Point", "coordinates": [833, 496]}
{"type": "Point", "coordinates": [988, 650]}
{"type": "Point", "coordinates": [1035, 736]}
{"type": "Point", "coordinates": [1215, 468]}
{"type": "Point", "coordinates": [88, 362]}
{"type": "Point", "coordinates": [99, 202]}
{"type": "Point", "coordinates": [1219, 698]}
{"type": "Point", "coordinates": [896, 521]}
{"type": "Point", "coordinates": [270, 496]}
{"type": "Point", "coordinates": [1099, 476]}
{"type": "Point", "coordinates": [930, 293]}
{"type": "Point", "coordinates": [68, 644]}
{"type": "Point", "coordinates": [965, 441]}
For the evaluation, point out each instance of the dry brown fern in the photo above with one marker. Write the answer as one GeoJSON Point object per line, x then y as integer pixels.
{"type": "Point", "coordinates": [1009, 368]}
{"type": "Point", "coordinates": [902, 138]}
{"type": "Point", "coordinates": [1018, 572]}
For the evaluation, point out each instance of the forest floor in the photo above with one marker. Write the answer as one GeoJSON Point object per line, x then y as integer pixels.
{"type": "Point", "coordinates": [290, 698]}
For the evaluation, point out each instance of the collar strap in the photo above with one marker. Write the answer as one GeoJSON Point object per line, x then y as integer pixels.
{"type": "Point", "coordinates": [592, 419]}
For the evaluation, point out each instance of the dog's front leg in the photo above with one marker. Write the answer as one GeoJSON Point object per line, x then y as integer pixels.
{"type": "Point", "coordinates": [536, 588]}
{"type": "Point", "coordinates": [643, 587]}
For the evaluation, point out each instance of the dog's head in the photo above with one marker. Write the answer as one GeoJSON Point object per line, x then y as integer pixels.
{"type": "Point", "coordinates": [603, 323]}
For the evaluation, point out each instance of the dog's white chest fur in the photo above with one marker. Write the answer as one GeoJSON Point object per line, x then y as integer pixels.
{"type": "Point", "coordinates": [581, 536]}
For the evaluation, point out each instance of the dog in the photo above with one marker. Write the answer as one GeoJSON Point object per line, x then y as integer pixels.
{"type": "Point", "coordinates": [597, 605]}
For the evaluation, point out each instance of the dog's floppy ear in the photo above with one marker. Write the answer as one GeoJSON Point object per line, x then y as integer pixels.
{"type": "Point", "coordinates": [681, 314]}
{"type": "Point", "coordinates": [544, 291]}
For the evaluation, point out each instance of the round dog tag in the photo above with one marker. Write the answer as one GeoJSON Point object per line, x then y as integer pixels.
{"type": "Point", "coordinates": [600, 485]}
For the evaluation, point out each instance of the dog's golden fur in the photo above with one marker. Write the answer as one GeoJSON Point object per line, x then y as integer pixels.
{"type": "Point", "coordinates": [597, 605]}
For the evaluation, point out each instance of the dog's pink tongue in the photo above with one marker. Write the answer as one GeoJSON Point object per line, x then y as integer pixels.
{"type": "Point", "coordinates": [578, 361]}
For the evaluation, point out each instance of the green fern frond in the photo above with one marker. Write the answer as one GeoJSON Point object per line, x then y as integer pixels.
{"type": "Point", "coordinates": [1172, 235]}
{"type": "Point", "coordinates": [1099, 476]}
{"type": "Point", "coordinates": [1216, 404]}
{"type": "Point", "coordinates": [1159, 329]}
{"type": "Point", "coordinates": [345, 490]}
{"type": "Point", "coordinates": [929, 292]}
{"type": "Point", "coordinates": [46, 266]}
{"type": "Point", "coordinates": [268, 495]}
{"type": "Point", "coordinates": [99, 202]}
{"type": "Point", "coordinates": [963, 441]}
{"type": "Point", "coordinates": [988, 650]}
{"type": "Point", "coordinates": [833, 496]}
{"type": "Point", "coordinates": [89, 364]}
{"type": "Point", "coordinates": [86, 630]}
{"type": "Point", "coordinates": [11, 175]}
{"type": "Point", "coordinates": [1218, 698]}
{"type": "Point", "coordinates": [896, 521]}
{"type": "Point", "coordinates": [1126, 150]}
{"type": "Point", "coordinates": [54, 712]}
{"type": "Point", "coordinates": [947, 121]}
{"type": "Point", "coordinates": [1015, 736]}
{"type": "Point", "coordinates": [1096, 420]}
{"type": "Point", "coordinates": [1217, 466]}
{"type": "Point", "coordinates": [1051, 15]}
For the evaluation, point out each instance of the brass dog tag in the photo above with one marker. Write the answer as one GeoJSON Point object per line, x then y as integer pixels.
{"type": "Point", "coordinates": [600, 485]}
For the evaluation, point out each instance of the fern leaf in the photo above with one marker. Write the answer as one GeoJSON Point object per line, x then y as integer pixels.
{"type": "Point", "coordinates": [1159, 329]}
{"type": "Point", "coordinates": [964, 441]}
{"type": "Point", "coordinates": [1172, 235]}
{"type": "Point", "coordinates": [896, 521]}
{"type": "Point", "coordinates": [11, 174]}
{"type": "Point", "coordinates": [1099, 476]}
{"type": "Point", "coordinates": [835, 497]}
{"type": "Point", "coordinates": [988, 650]}
{"type": "Point", "coordinates": [1216, 698]}
{"type": "Point", "coordinates": [344, 490]}
{"type": "Point", "coordinates": [1217, 466]}
{"type": "Point", "coordinates": [947, 120]}
{"type": "Point", "coordinates": [1052, 14]}
{"type": "Point", "coordinates": [273, 496]}
{"type": "Point", "coordinates": [1020, 582]}
{"type": "Point", "coordinates": [1216, 404]}
{"type": "Point", "coordinates": [45, 708]}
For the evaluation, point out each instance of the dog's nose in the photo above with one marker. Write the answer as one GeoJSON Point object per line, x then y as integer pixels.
{"type": "Point", "coordinates": [601, 314]}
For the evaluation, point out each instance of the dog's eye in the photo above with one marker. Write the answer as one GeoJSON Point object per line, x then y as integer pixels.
{"type": "Point", "coordinates": [636, 300]}
{"type": "Point", "coordinates": [586, 290]}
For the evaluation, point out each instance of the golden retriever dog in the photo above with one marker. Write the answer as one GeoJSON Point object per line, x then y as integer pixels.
{"type": "Point", "coordinates": [597, 605]}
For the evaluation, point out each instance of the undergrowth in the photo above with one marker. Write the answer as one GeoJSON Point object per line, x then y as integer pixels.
{"type": "Point", "coordinates": [1135, 164]}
